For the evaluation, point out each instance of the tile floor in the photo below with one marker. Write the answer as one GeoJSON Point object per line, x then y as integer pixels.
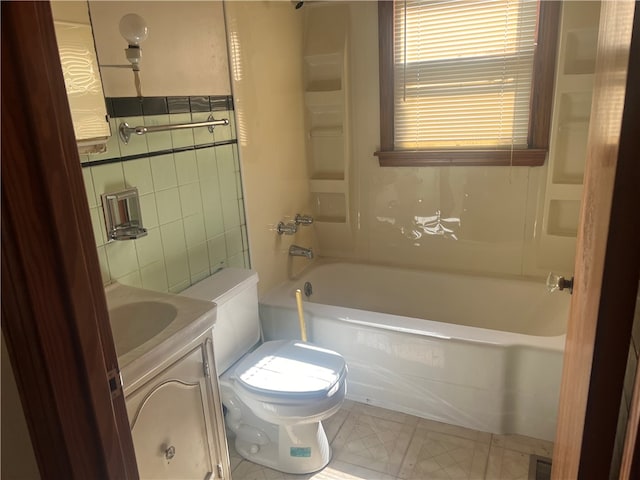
{"type": "Point", "coordinates": [371, 443]}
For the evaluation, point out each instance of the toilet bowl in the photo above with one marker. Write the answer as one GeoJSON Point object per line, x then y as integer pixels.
{"type": "Point", "coordinates": [275, 393]}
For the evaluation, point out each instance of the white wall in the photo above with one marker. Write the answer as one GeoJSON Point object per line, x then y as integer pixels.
{"type": "Point", "coordinates": [185, 53]}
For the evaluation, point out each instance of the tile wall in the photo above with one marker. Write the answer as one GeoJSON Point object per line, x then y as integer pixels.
{"type": "Point", "coordinates": [190, 190]}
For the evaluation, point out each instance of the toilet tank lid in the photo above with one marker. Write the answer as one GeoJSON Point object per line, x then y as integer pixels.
{"type": "Point", "coordinates": [222, 285]}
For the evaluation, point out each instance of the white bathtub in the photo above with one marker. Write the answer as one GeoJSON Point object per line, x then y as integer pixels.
{"type": "Point", "coordinates": [479, 352]}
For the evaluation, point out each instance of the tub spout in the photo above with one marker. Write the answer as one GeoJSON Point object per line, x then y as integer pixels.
{"type": "Point", "coordinates": [297, 251]}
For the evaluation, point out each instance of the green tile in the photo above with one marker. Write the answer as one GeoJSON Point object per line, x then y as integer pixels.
{"type": "Point", "coordinates": [163, 171]}
{"type": "Point", "coordinates": [154, 277]}
{"type": "Point", "coordinates": [236, 157]}
{"type": "Point", "coordinates": [149, 210]}
{"type": "Point", "coordinates": [247, 260]}
{"type": "Point", "coordinates": [230, 210]}
{"type": "Point", "coordinates": [182, 137]}
{"type": "Point", "coordinates": [173, 241]}
{"type": "Point", "coordinates": [122, 258]}
{"type": "Point", "coordinates": [97, 221]}
{"type": "Point", "coordinates": [237, 261]}
{"type": "Point", "coordinates": [190, 199]}
{"type": "Point", "coordinates": [177, 269]}
{"type": "Point", "coordinates": [217, 252]}
{"type": "Point", "coordinates": [213, 223]}
{"type": "Point", "coordinates": [234, 241]}
{"type": "Point", "coordinates": [158, 141]}
{"type": "Point", "coordinates": [207, 163]}
{"type": "Point", "coordinates": [175, 253]}
{"type": "Point", "coordinates": [137, 143]}
{"type": "Point", "coordinates": [149, 248]}
{"type": "Point", "coordinates": [104, 265]}
{"type": "Point", "coordinates": [186, 167]}
{"type": "Point", "coordinates": [200, 276]}
{"type": "Point", "coordinates": [194, 231]}
{"type": "Point", "coordinates": [168, 205]}
{"type": "Point", "coordinates": [107, 179]}
{"type": "Point", "coordinates": [137, 173]}
{"type": "Point", "coordinates": [226, 164]}
{"type": "Point", "coordinates": [179, 287]}
{"type": "Point", "coordinates": [92, 198]}
{"type": "Point", "coordinates": [245, 238]}
{"type": "Point", "coordinates": [243, 217]}
{"type": "Point", "coordinates": [201, 135]}
{"type": "Point", "coordinates": [132, 279]}
{"type": "Point", "coordinates": [212, 207]}
{"type": "Point", "coordinates": [198, 259]}
{"type": "Point", "coordinates": [239, 185]}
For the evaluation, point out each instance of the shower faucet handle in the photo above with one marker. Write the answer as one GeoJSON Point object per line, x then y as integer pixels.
{"type": "Point", "coordinates": [303, 219]}
{"type": "Point", "coordinates": [286, 228]}
{"type": "Point", "coordinates": [558, 282]}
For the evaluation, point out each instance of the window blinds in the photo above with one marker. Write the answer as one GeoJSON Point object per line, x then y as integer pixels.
{"type": "Point", "coordinates": [462, 73]}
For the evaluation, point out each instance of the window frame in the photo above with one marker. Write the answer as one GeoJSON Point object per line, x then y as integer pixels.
{"type": "Point", "coordinates": [544, 62]}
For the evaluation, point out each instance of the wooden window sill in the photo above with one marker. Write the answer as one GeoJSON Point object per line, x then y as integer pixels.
{"type": "Point", "coordinates": [533, 157]}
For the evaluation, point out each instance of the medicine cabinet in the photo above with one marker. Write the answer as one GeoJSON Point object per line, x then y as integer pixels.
{"type": "Point", "coordinates": [81, 75]}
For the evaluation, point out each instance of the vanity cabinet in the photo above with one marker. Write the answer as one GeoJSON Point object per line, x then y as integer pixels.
{"type": "Point", "coordinates": [176, 418]}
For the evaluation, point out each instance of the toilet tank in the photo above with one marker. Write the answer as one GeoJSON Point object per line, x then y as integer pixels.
{"type": "Point", "coordinates": [237, 327]}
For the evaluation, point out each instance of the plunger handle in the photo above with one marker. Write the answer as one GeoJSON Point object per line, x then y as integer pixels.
{"type": "Point", "coordinates": [303, 327]}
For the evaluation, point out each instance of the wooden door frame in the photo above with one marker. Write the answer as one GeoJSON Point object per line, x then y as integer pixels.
{"type": "Point", "coordinates": [607, 258]}
{"type": "Point", "coordinates": [54, 314]}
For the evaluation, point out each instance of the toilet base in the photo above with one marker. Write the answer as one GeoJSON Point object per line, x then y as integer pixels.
{"type": "Point", "coordinates": [295, 449]}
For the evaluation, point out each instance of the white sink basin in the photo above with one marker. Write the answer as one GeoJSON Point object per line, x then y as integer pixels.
{"type": "Point", "coordinates": [149, 326]}
{"type": "Point", "coordinates": [135, 323]}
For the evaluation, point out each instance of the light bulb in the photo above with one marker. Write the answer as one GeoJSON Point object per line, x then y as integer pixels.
{"type": "Point", "coordinates": [133, 28]}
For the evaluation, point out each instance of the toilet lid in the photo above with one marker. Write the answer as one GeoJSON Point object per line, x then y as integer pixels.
{"type": "Point", "coordinates": [290, 368]}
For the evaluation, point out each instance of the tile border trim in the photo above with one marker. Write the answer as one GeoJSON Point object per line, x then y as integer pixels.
{"type": "Point", "coordinates": [118, 107]}
{"type": "Point", "coordinates": [95, 163]}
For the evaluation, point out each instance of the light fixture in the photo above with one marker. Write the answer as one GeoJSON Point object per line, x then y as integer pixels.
{"type": "Point", "coordinates": [134, 30]}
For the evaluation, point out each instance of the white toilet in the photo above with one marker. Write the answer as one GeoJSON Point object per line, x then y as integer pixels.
{"type": "Point", "coordinates": [275, 393]}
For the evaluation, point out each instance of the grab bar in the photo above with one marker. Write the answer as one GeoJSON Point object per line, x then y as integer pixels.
{"type": "Point", "coordinates": [125, 130]}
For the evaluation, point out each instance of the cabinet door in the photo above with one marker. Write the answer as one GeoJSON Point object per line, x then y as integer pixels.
{"type": "Point", "coordinates": [173, 420]}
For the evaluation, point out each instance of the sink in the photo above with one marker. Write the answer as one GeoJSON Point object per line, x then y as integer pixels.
{"type": "Point", "coordinates": [135, 323]}
{"type": "Point", "coordinates": [148, 327]}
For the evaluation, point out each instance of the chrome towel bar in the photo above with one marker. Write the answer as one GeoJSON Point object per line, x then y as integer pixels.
{"type": "Point", "coordinates": [125, 130]}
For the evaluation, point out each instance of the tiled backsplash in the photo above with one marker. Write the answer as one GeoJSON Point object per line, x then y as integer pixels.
{"type": "Point", "coordinates": [190, 193]}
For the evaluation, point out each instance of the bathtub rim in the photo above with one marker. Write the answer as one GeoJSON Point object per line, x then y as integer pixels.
{"type": "Point", "coordinates": [279, 297]}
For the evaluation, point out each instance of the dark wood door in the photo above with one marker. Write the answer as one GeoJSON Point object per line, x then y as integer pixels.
{"type": "Point", "coordinates": [54, 314]}
{"type": "Point", "coordinates": [608, 256]}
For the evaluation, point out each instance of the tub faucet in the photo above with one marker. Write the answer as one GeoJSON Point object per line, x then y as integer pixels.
{"type": "Point", "coordinates": [296, 251]}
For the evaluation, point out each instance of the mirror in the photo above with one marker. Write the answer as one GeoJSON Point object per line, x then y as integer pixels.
{"type": "Point", "coordinates": [81, 75]}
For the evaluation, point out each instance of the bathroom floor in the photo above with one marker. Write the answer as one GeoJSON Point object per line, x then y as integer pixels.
{"type": "Point", "coordinates": [371, 443]}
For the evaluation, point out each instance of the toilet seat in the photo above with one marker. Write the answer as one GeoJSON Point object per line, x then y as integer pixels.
{"type": "Point", "coordinates": [290, 371]}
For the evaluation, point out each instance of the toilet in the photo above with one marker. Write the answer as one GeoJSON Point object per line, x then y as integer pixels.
{"type": "Point", "coordinates": [275, 393]}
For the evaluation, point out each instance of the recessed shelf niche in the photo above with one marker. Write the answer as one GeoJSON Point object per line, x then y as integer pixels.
{"type": "Point", "coordinates": [569, 135]}
{"type": "Point", "coordinates": [326, 116]}
{"type": "Point", "coordinates": [563, 218]}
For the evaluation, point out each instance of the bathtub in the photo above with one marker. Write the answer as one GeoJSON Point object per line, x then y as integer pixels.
{"type": "Point", "coordinates": [478, 352]}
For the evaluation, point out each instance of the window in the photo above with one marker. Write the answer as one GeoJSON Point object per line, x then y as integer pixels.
{"type": "Point", "coordinates": [466, 82]}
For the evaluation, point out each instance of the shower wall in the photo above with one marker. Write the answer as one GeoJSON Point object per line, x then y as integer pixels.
{"type": "Point", "coordinates": [490, 220]}
{"type": "Point", "coordinates": [265, 46]}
